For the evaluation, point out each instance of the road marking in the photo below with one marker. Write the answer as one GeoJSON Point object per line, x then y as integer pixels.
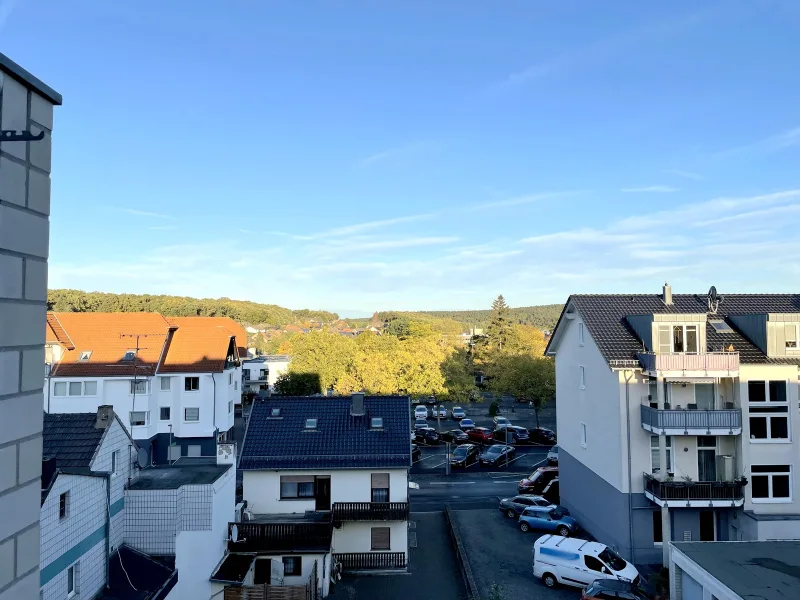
{"type": "Point", "coordinates": [450, 482]}
{"type": "Point", "coordinates": [426, 458]}
{"type": "Point", "coordinates": [438, 465]}
{"type": "Point", "coordinates": [504, 482]}
{"type": "Point", "coordinates": [540, 462]}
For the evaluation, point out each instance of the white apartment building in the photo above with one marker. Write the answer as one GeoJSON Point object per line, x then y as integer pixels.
{"type": "Point", "coordinates": [174, 380]}
{"type": "Point", "coordinates": [260, 373]}
{"type": "Point", "coordinates": [26, 124]}
{"type": "Point", "coordinates": [677, 417]}
{"type": "Point", "coordinates": [326, 486]}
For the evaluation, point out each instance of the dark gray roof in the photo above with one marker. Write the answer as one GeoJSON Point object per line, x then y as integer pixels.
{"type": "Point", "coordinates": [151, 578]}
{"type": "Point", "coordinates": [340, 440]}
{"type": "Point", "coordinates": [29, 80]}
{"type": "Point", "coordinates": [764, 570]}
{"type": "Point", "coordinates": [605, 316]}
{"type": "Point", "coordinates": [171, 477]}
{"type": "Point", "coordinates": [233, 568]}
{"type": "Point", "coordinates": [71, 438]}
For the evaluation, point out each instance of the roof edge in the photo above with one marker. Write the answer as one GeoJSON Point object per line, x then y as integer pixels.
{"type": "Point", "coordinates": [29, 79]}
{"type": "Point", "coordinates": [555, 336]}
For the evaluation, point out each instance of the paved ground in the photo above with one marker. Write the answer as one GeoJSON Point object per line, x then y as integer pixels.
{"type": "Point", "coordinates": [499, 552]}
{"type": "Point", "coordinates": [462, 490]}
{"type": "Point", "coordinates": [433, 571]}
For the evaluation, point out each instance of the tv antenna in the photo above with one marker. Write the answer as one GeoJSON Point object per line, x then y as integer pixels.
{"type": "Point", "coordinates": [135, 357]}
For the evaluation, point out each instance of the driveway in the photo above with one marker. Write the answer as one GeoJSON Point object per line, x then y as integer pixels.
{"type": "Point", "coordinates": [500, 553]}
{"type": "Point", "coordinates": [433, 571]}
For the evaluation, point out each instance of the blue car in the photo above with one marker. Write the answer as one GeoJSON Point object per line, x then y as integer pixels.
{"type": "Point", "coordinates": [547, 519]}
{"type": "Point", "coordinates": [466, 424]}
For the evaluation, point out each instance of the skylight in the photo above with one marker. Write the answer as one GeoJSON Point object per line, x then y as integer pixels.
{"type": "Point", "coordinates": [311, 423]}
{"type": "Point", "coordinates": [721, 326]}
{"type": "Point", "coordinates": [377, 422]}
{"type": "Point", "coordinates": [85, 355]}
{"type": "Point", "coordinates": [130, 355]}
{"type": "Point", "coordinates": [275, 412]}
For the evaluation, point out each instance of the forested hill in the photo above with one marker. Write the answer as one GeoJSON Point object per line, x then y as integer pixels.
{"type": "Point", "coordinates": [542, 317]}
{"type": "Point", "coordinates": [251, 313]}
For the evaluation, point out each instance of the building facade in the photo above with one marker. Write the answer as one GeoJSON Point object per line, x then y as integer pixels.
{"type": "Point", "coordinates": [26, 107]}
{"type": "Point", "coordinates": [702, 384]}
{"type": "Point", "coordinates": [260, 374]}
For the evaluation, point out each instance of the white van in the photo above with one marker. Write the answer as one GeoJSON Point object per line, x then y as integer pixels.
{"type": "Point", "coordinates": [571, 561]}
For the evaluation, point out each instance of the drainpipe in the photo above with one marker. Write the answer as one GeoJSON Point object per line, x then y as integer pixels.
{"type": "Point", "coordinates": [214, 423]}
{"type": "Point", "coordinates": [108, 531]}
{"type": "Point", "coordinates": [628, 378]}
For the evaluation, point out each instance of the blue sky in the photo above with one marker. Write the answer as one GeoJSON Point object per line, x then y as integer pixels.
{"type": "Point", "coordinates": [361, 155]}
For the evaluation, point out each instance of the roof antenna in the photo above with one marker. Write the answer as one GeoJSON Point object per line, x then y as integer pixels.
{"type": "Point", "coordinates": [714, 300]}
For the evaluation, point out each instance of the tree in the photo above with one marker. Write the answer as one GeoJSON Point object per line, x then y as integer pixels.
{"type": "Point", "coordinates": [524, 376]}
{"type": "Point", "coordinates": [500, 329]}
{"type": "Point", "coordinates": [297, 384]}
{"type": "Point", "coordinates": [457, 372]}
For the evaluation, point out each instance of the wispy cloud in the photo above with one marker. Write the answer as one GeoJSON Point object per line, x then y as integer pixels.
{"type": "Point", "coordinates": [6, 7]}
{"type": "Point", "coordinates": [651, 189]}
{"type": "Point", "coordinates": [144, 213]}
{"type": "Point", "coordinates": [685, 174]}
{"type": "Point", "coordinates": [372, 225]}
{"type": "Point", "coordinates": [163, 228]}
{"type": "Point", "coordinates": [519, 200]}
{"type": "Point", "coordinates": [397, 152]}
{"type": "Point", "coordinates": [768, 145]}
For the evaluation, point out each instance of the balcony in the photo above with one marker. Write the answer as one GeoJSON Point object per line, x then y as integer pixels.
{"type": "Point", "coordinates": [280, 537]}
{"type": "Point", "coordinates": [694, 494]}
{"type": "Point", "coordinates": [692, 422]}
{"type": "Point", "coordinates": [371, 561]}
{"type": "Point", "coordinates": [370, 511]}
{"type": "Point", "coordinates": [709, 364]}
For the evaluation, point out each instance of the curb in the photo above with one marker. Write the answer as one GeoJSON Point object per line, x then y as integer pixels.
{"type": "Point", "coordinates": [463, 562]}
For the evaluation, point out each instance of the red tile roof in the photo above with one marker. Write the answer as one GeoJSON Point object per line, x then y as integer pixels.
{"type": "Point", "coordinates": [198, 345]}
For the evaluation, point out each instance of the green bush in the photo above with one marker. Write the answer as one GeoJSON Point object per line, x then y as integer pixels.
{"type": "Point", "coordinates": [494, 409]}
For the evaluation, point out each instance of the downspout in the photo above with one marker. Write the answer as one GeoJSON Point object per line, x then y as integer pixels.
{"type": "Point", "coordinates": [108, 530]}
{"type": "Point", "coordinates": [630, 467]}
{"type": "Point", "coordinates": [214, 423]}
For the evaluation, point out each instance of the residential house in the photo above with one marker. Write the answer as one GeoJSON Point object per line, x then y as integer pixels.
{"type": "Point", "coordinates": [326, 486]}
{"type": "Point", "coordinates": [676, 417]}
{"type": "Point", "coordinates": [174, 380]}
{"type": "Point", "coordinates": [26, 107]}
{"type": "Point", "coordinates": [261, 373]}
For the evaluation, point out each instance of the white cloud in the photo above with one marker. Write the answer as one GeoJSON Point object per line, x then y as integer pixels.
{"type": "Point", "coordinates": [395, 153]}
{"type": "Point", "coordinates": [520, 200]}
{"type": "Point", "coordinates": [145, 213]}
{"type": "Point", "coordinates": [768, 145]}
{"type": "Point", "coordinates": [651, 189]}
{"type": "Point", "coordinates": [163, 228]}
{"type": "Point", "coordinates": [685, 174]}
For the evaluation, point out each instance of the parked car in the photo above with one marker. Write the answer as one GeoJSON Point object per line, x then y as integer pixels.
{"type": "Point", "coordinates": [510, 434]}
{"type": "Point", "coordinates": [420, 423]}
{"type": "Point", "coordinates": [501, 422]}
{"type": "Point", "coordinates": [577, 562]}
{"type": "Point", "coordinates": [440, 412]}
{"type": "Point", "coordinates": [420, 412]}
{"type": "Point", "coordinates": [457, 413]}
{"type": "Point", "coordinates": [427, 435]}
{"type": "Point", "coordinates": [482, 435]}
{"type": "Point", "coordinates": [513, 507]}
{"type": "Point", "coordinates": [454, 436]}
{"type": "Point", "coordinates": [464, 455]}
{"type": "Point", "coordinates": [415, 453]}
{"type": "Point", "coordinates": [547, 518]}
{"type": "Point", "coordinates": [552, 456]}
{"type": "Point", "coordinates": [431, 401]}
{"type": "Point", "coordinates": [466, 425]}
{"type": "Point", "coordinates": [498, 455]}
{"type": "Point", "coordinates": [542, 437]}
{"type": "Point", "coordinates": [536, 482]}
{"type": "Point", "coordinates": [551, 492]}
{"type": "Point", "coordinates": [607, 589]}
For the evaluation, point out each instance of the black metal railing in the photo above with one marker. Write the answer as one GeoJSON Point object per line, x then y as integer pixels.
{"type": "Point", "coordinates": [280, 537]}
{"type": "Point", "coordinates": [370, 511]}
{"type": "Point", "coordinates": [728, 419]}
{"type": "Point", "coordinates": [694, 490]}
{"type": "Point", "coordinates": [358, 561]}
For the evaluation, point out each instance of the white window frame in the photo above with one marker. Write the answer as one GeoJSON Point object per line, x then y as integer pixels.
{"type": "Point", "coordinates": [582, 382]}
{"type": "Point", "coordinates": [186, 414]}
{"type": "Point", "coordinates": [769, 476]}
{"type": "Point", "coordinates": [63, 385]}
{"type": "Point", "coordinates": [235, 386]}
{"type": "Point", "coordinates": [583, 435]}
{"type": "Point", "coordinates": [796, 347]}
{"type": "Point", "coordinates": [230, 378]}
{"type": "Point", "coordinates": [114, 462]}
{"type": "Point", "coordinates": [85, 393]}
{"type": "Point", "coordinates": [168, 381]}
{"type": "Point", "coordinates": [73, 573]}
{"type": "Point", "coordinates": [670, 458]}
{"type": "Point", "coordinates": [65, 496]}
{"type": "Point", "coordinates": [138, 382]}
{"type": "Point", "coordinates": [80, 388]}
{"type": "Point", "coordinates": [160, 408]}
{"type": "Point", "coordinates": [185, 379]}
{"type": "Point", "coordinates": [753, 412]}
{"type": "Point", "coordinates": [146, 417]}
{"type": "Point", "coordinates": [580, 334]}
{"type": "Point", "coordinates": [671, 327]}
{"type": "Point", "coordinates": [85, 355]}
{"type": "Point", "coordinates": [230, 406]}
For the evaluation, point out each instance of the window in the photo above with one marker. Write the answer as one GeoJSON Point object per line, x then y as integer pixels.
{"type": "Point", "coordinates": [89, 388]}
{"type": "Point", "coordinates": [720, 326]}
{"type": "Point", "coordinates": [677, 338]}
{"type": "Point", "coordinates": [85, 355]}
{"type": "Point", "coordinates": [191, 414]}
{"type": "Point", "coordinates": [191, 384]}
{"type": "Point", "coordinates": [230, 378]}
{"type": "Point", "coordinates": [792, 334]}
{"type": "Point", "coordinates": [73, 576]}
{"type": "Point", "coordinates": [380, 538]}
{"type": "Point", "coordinates": [235, 385]}
{"type": "Point", "coordinates": [580, 334]}
{"type": "Point", "coordinates": [376, 422]}
{"type": "Point", "coordinates": [138, 417]}
{"type": "Point", "coordinates": [771, 483]}
{"type": "Point", "coordinates": [139, 386]}
{"type": "Point", "coordinates": [166, 383]}
{"type": "Point", "coordinates": [164, 413]}
{"type": "Point", "coordinates": [658, 537]}
{"type": "Point", "coordinates": [75, 388]}
{"type": "Point", "coordinates": [592, 563]}
{"type": "Point", "coordinates": [756, 391]}
{"type": "Point", "coordinates": [60, 389]}
{"type": "Point", "coordinates": [174, 452]}
{"type": "Point", "coordinates": [583, 435]}
{"type": "Point", "coordinates": [769, 416]}
{"type": "Point", "coordinates": [63, 505]}
{"type": "Point", "coordinates": [582, 377]}
{"type": "Point", "coordinates": [130, 356]}
{"type": "Point", "coordinates": [380, 487]}
{"type": "Point", "coordinates": [292, 565]}
{"type": "Point", "coordinates": [230, 406]}
{"type": "Point", "coordinates": [655, 464]}
{"type": "Point", "coordinates": [114, 461]}
{"type": "Point", "coordinates": [297, 487]}
{"type": "Point", "coordinates": [275, 412]}
{"type": "Point", "coordinates": [311, 423]}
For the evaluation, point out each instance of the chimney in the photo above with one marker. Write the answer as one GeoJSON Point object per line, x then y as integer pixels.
{"type": "Point", "coordinates": [357, 408]}
{"type": "Point", "coordinates": [667, 297]}
{"type": "Point", "coordinates": [105, 416]}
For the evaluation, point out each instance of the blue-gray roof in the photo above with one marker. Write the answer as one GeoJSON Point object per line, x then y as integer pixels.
{"type": "Point", "coordinates": [340, 440]}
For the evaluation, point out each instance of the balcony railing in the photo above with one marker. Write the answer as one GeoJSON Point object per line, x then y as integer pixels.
{"type": "Point", "coordinates": [694, 493]}
{"type": "Point", "coordinates": [708, 361]}
{"type": "Point", "coordinates": [280, 537]}
{"type": "Point", "coordinates": [247, 379]}
{"type": "Point", "coordinates": [692, 422]}
{"type": "Point", "coordinates": [365, 561]}
{"type": "Point", "coordinates": [370, 511]}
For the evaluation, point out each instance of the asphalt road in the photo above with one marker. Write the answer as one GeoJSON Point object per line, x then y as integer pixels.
{"type": "Point", "coordinates": [433, 461]}
{"type": "Point", "coordinates": [461, 490]}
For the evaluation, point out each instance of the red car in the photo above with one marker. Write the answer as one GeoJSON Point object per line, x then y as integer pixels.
{"type": "Point", "coordinates": [536, 482]}
{"type": "Point", "coordinates": [482, 435]}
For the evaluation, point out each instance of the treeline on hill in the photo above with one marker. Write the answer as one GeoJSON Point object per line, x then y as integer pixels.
{"type": "Point", "coordinates": [243, 311]}
{"type": "Point", "coordinates": [542, 317]}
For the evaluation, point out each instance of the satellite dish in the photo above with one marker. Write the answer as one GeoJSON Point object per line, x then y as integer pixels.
{"type": "Point", "coordinates": [712, 294]}
{"type": "Point", "coordinates": [234, 533]}
{"type": "Point", "coordinates": [141, 458]}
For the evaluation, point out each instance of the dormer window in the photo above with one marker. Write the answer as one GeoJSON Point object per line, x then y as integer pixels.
{"type": "Point", "coordinates": [130, 356]}
{"type": "Point", "coordinates": [311, 424]}
{"type": "Point", "coordinates": [275, 412]}
{"type": "Point", "coordinates": [792, 333]}
{"type": "Point", "coordinates": [85, 355]}
{"type": "Point", "coordinates": [677, 339]}
{"type": "Point", "coordinates": [376, 422]}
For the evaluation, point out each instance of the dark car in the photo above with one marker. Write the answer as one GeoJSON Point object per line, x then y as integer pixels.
{"type": "Point", "coordinates": [427, 435]}
{"type": "Point", "coordinates": [454, 436]}
{"type": "Point", "coordinates": [551, 492]}
{"type": "Point", "coordinates": [604, 589]}
{"type": "Point", "coordinates": [481, 435]}
{"type": "Point", "coordinates": [431, 400]}
{"type": "Point", "coordinates": [464, 455]}
{"type": "Point", "coordinates": [536, 482]}
{"type": "Point", "coordinates": [415, 453]}
{"type": "Point", "coordinates": [466, 424]}
{"type": "Point", "coordinates": [552, 456]}
{"type": "Point", "coordinates": [541, 436]}
{"type": "Point", "coordinates": [510, 435]}
{"type": "Point", "coordinates": [513, 507]}
{"type": "Point", "coordinates": [498, 455]}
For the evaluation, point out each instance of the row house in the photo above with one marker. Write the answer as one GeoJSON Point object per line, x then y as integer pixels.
{"type": "Point", "coordinates": [678, 413]}
{"type": "Point", "coordinates": [325, 484]}
{"type": "Point", "coordinates": [174, 381]}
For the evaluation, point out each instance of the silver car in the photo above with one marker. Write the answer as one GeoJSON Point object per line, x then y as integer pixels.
{"type": "Point", "coordinates": [552, 456]}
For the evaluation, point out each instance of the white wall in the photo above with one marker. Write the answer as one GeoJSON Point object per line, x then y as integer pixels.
{"type": "Point", "coordinates": [357, 537]}
{"type": "Point", "coordinates": [262, 488]}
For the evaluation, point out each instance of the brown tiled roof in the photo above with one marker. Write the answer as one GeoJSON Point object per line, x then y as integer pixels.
{"type": "Point", "coordinates": [232, 326]}
{"type": "Point", "coordinates": [197, 345]}
{"type": "Point", "coordinates": [55, 334]}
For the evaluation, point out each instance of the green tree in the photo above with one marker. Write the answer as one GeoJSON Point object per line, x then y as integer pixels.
{"type": "Point", "coordinates": [293, 383]}
{"type": "Point", "coordinates": [457, 373]}
{"type": "Point", "coordinates": [500, 330]}
{"type": "Point", "coordinates": [525, 376]}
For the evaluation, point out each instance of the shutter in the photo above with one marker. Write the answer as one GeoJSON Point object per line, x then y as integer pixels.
{"type": "Point", "coordinates": [297, 479]}
{"type": "Point", "coordinates": [380, 480]}
{"type": "Point", "coordinates": [381, 538]}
